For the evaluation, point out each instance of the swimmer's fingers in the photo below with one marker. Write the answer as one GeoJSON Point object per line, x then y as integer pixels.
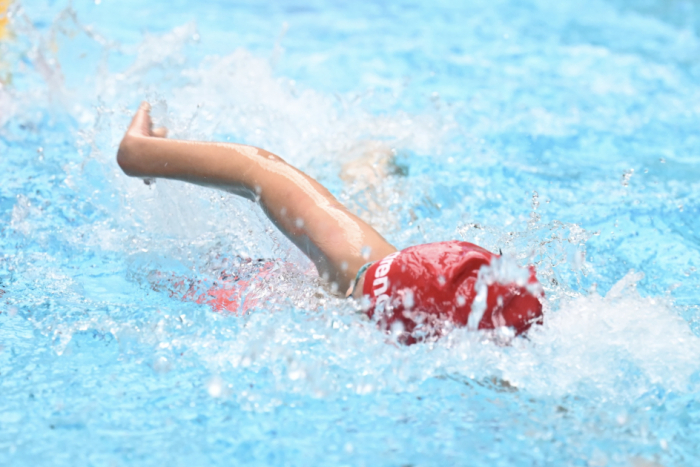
{"type": "Point", "coordinates": [161, 132]}
{"type": "Point", "coordinates": [141, 123]}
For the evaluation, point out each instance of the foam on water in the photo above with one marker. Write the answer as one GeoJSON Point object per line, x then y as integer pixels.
{"type": "Point", "coordinates": [99, 270]}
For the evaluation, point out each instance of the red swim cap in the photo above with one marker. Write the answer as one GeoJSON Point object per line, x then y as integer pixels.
{"type": "Point", "coordinates": [425, 286]}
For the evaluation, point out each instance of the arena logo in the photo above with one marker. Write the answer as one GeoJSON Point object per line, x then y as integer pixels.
{"type": "Point", "coordinates": [381, 281]}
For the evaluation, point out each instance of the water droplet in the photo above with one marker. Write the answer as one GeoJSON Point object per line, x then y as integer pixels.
{"type": "Point", "coordinates": [626, 175]}
{"type": "Point", "coordinates": [161, 365]}
{"type": "Point", "coordinates": [365, 302]}
{"type": "Point", "coordinates": [397, 328]}
{"type": "Point", "coordinates": [215, 386]}
{"type": "Point", "coordinates": [407, 299]}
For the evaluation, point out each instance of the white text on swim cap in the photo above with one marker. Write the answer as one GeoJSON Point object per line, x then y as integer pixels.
{"type": "Point", "coordinates": [381, 281]}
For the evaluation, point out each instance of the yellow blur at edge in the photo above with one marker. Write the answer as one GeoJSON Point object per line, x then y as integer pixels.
{"type": "Point", "coordinates": [4, 4]}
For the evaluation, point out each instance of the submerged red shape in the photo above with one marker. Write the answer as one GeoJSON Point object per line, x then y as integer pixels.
{"type": "Point", "coordinates": [234, 294]}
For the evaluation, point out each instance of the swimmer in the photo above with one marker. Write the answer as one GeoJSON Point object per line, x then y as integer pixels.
{"type": "Point", "coordinates": [416, 293]}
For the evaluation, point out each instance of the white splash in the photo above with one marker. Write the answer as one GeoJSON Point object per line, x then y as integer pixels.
{"type": "Point", "coordinates": [620, 345]}
{"type": "Point", "coordinates": [502, 270]}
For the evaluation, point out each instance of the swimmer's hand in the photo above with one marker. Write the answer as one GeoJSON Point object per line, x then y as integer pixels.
{"type": "Point", "coordinates": [141, 127]}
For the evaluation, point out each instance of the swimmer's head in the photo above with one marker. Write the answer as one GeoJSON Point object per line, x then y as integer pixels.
{"type": "Point", "coordinates": [423, 287]}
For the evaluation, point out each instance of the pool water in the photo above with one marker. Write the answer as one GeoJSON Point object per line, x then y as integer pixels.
{"type": "Point", "coordinates": [566, 134]}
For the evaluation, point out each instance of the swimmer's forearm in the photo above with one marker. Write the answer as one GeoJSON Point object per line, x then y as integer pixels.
{"type": "Point", "coordinates": [230, 167]}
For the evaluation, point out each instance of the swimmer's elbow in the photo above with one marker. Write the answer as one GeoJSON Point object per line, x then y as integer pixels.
{"type": "Point", "coordinates": [127, 156]}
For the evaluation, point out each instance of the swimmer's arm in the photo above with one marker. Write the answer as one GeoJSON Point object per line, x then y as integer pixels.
{"type": "Point", "coordinates": [305, 211]}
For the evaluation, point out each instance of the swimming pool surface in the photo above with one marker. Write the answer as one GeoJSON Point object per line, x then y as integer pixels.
{"type": "Point", "coordinates": [565, 133]}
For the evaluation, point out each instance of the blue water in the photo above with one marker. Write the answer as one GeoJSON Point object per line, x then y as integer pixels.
{"type": "Point", "coordinates": [566, 134]}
